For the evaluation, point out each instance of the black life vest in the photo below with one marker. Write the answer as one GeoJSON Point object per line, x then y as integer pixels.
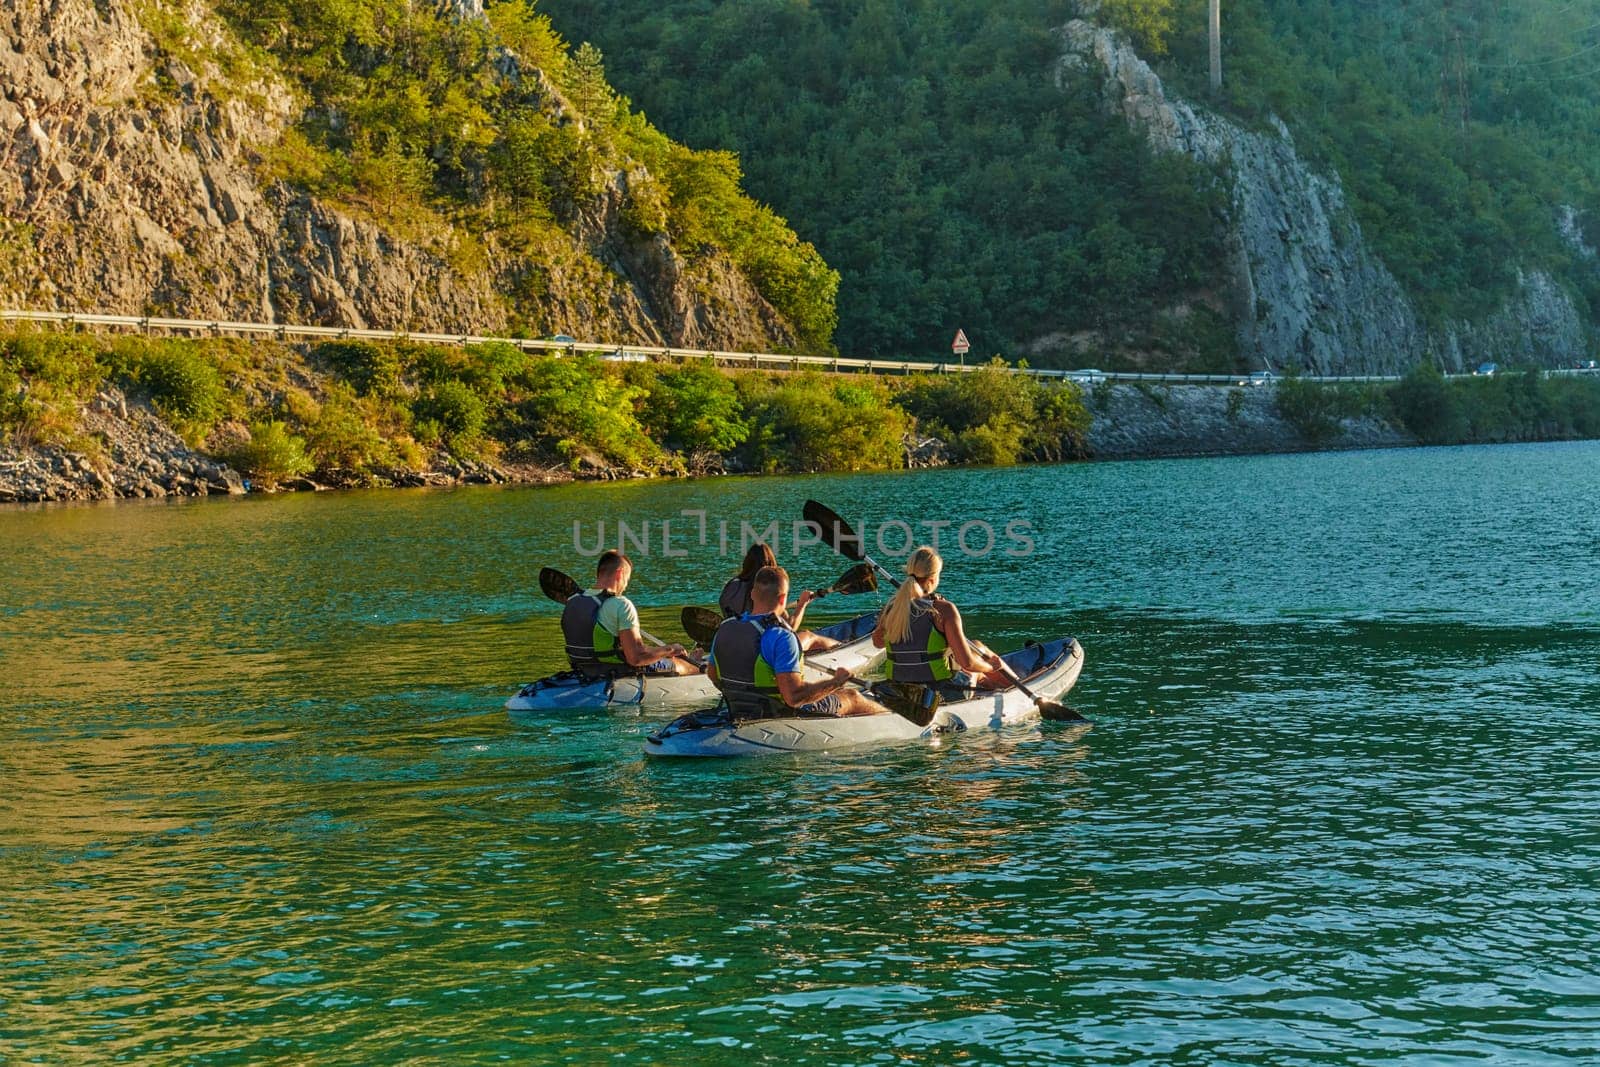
{"type": "Point", "coordinates": [735, 598]}
{"type": "Point", "coordinates": [591, 648]}
{"type": "Point", "coordinates": [746, 679]}
{"type": "Point", "coordinates": [923, 657]}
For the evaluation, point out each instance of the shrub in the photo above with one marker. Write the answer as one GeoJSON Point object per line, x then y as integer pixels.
{"type": "Point", "coordinates": [806, 422]}
{"type": "Point", "coordinates": [1061, 425]}
{"type": "Point", "coordinates": [427, 364]}
{"type": "Point", "coordinates": [996, 443]}
{"type": "Point", "coordinates": [56, 366]}
{"type": "Point", "coordinates": [574, 407]}
{"type": "Point", "coordinates": [182, 382]}
{"type": "Point", "coordinates": [339, 435]}
{"type": "Point", "coordinates": [13, 401]}
{"type": "Point", "coordinates": [459, 413]}
{"type": "Point", "coordinates": [271, 455]}
{"type": "Point", "coordinates": [694, 409]}
{"type": "Point", "coordinates": [1426, 406]}
{"type": "Point", "coordinates": [968, 401]}
{"type": "Point", "coordinates": [1486, 407]}
{"type": "Point", "coordinates": [995, 416]}
{"type": "Point", "coordinates": [491, 368]}
{"type": "Point", "coordinates": [44, 376]}
{"type": "Point", "coordinates": [1313, 410]}
{"type": "Point", "coordinates": [373, 369]}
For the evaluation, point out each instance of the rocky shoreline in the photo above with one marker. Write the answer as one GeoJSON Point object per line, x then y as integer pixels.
{"type": "Point", "coordinates": [130, 452]}
{"type": "Point", "coordinates": [1151, 421]}
{"type": "Point", "coordinates": [135, 454]}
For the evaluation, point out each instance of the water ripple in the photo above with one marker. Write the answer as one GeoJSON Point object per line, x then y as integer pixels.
{"type": "Point", "coordinates": [1338, 804]}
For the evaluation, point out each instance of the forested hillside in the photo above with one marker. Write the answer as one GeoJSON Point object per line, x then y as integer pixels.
{"type": "Point", "coordinates": [925, 149]}
{"type": "Point", "coordinates": [928, 151]}
{"type": "Point", "coordinates": [1463, 129]}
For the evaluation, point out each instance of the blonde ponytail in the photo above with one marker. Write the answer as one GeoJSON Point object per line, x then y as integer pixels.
{"type": "Point", "coordinates": [922, 572]}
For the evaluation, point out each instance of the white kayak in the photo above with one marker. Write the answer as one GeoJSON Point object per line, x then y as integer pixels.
{"type": "Point", "coordinates": [669, 694]}
{"type": "Point", "coordinates": [1049, 670]}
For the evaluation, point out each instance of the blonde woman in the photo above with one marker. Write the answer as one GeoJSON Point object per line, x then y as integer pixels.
{"type": "Point", "coordinates": [924, 637]}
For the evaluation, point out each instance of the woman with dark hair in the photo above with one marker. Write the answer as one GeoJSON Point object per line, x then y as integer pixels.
{"type": "Point", "coordinates": [735, 598]}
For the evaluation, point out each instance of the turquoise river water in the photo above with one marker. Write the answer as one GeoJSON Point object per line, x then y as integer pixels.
{"type": "Point", "coordinates": [1341, 802]}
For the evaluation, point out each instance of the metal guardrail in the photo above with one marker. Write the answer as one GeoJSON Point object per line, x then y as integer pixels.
{"type": "Point", "coordinates": [641, 353]}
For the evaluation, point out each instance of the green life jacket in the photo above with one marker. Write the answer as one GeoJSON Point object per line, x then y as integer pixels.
{"type": "Point", "coordinates": [746, 679]}
{"type": "Point", "coordinates": [923, 657]}
{"type": "Point", "coordinates": [591, 648]}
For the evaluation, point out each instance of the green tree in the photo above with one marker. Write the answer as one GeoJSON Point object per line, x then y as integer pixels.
{"type": "Point", "coordinates": [271, 455]}
{"type": "Point", "coordinates": [1427, 407]}
{"type": "Point", "coordinates": [576, 410]}
{"type": "Point", "coordinates": [1148, 21]}
{"type": "Point", "coordinates": [587, 70]}
{"type": "Point", "coordinates": [806, 422]}
{"type": "Point", "coordinates": [695, 409]}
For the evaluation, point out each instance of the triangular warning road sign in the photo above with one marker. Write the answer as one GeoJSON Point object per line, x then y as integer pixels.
{"type": "Point", "coordinates": [960, 345]}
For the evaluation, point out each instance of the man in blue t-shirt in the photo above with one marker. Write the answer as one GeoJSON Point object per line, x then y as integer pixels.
{"type": "Point", "coordinates": [757, 663]}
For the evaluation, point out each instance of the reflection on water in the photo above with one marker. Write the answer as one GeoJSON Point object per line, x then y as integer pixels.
{"type": "Point", "coordinates": [1338, 805]}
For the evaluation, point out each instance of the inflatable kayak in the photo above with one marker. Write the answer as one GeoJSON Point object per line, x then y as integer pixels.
{"type": "Point", "coordinates": [1049, 670]}
{"type": "Point", "coordinates": [571, 691]}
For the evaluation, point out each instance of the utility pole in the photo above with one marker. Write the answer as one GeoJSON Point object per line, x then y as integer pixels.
{"type": "Point", "coordinates": [1216, 46]}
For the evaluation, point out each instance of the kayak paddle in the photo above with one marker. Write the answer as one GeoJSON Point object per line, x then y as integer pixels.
{"type": "Point", "coordinates": [556, 585]}
{"type": "Point", "coordinates": [837, 535]}
{"type": "Point", "coordinates": [858, 579]}
{"type": "Point", "coordinates": [1053, 710]}
{"type": "Point", "coordinates": [701, 624]}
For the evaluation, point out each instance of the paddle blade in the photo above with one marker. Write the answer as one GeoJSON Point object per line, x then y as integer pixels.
{"type": "Point", "coordinates": [556, 585]}
{"type": "Point", "coordinates": [836, 533]}
{"type": "Point", "coordinates": [917, 703]}
{"type": "Point", "coordinates": [701, 624]}
{"type": "Point", "coordinates": [1055, 711]}
{"type": "Point", "coordinates": [858, 579]}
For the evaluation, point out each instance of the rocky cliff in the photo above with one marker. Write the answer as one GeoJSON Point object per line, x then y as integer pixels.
{"type": "Point", "coordinates": [131, 182]}
{"type": "Point", "coordinates": [1305, 290]}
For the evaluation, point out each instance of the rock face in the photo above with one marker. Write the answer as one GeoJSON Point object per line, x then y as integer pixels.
{"type": "Point", "coordinates": [1305, 289]}
{"type": "Point", "coordinates": [130, 182]}
{"type": "Point", "coordinates": [1134, 421]}
{"type": "Point", "coordinates": [140, 457]}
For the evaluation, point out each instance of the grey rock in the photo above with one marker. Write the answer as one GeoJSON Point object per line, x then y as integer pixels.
{"type": "Point", "coordinates": [1306, 290]}
{"type": "Point", "coordinates": [140, 202]}
{"type": "Point", "coordinates": [923, 452]}
{"type": "Point", "coordinates": [1192, 420]}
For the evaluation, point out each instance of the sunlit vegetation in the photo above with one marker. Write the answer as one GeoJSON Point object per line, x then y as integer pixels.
{"type": "Point", "coordinates": [358, 411]}
{"type": "Point", "coordinates": [928, 151]}
{"type": "Point", "coordinates": [423, 120]}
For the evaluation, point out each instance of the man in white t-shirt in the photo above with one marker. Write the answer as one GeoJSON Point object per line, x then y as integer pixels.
{"type": "Point", "coordinates": [601, 628]}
